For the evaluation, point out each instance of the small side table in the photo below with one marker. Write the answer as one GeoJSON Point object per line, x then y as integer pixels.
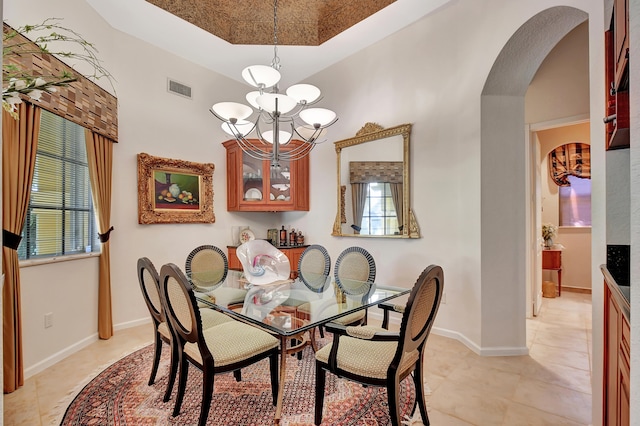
{"type": "Point", "coordinates": [552, 260]}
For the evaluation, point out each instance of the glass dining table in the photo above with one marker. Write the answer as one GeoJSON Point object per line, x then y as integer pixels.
{"type": "Point", "coordinates": [291, 310]}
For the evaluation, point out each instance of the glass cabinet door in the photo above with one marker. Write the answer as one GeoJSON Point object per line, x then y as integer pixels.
{"type": "Point", "coordinates": [280, 182]}
{"type": "Point", "coordinates": [252, 178]}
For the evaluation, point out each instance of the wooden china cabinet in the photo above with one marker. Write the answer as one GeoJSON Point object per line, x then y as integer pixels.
{"type": "Point", "coordinates": [253, 186]}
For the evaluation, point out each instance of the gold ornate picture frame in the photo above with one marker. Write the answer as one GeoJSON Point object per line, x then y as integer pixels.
{"type": "Point", "coordinates": [174, 191]}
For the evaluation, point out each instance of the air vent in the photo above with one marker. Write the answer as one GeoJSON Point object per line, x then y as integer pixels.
{"type": "Point", "coordinates": [179, 88]}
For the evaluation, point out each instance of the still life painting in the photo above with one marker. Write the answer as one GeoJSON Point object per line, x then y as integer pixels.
{"type": "Point", "coordinates": [174, 191]}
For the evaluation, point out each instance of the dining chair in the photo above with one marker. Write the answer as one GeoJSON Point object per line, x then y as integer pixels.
{"type": "Point", "coordinates": [150, 285]}
{"type": "Point", "coordinates": [354, 274]}
{"type": "Point", "coordinates": [313, 271]}
{"type": "Point", "coordinates": [207, 266]}
{"type": "Point", "coordinates": [222, 348]}
{"type": "Point", "coordinates": [313, 267]}
{"type": "Point", "coordinates": [375, 356]}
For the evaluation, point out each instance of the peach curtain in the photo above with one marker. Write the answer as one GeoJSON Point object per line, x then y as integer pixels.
{"type": "Point", "coordinates": [100, 159]}
{"type": "Point", "coordinates": [19, 146]}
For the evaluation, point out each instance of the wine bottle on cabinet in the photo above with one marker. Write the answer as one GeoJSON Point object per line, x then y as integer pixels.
{"type": "Point", "coordinates": [283, 236]}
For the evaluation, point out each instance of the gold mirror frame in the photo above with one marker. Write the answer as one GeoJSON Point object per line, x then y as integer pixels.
{"type": "Point", "coordinates": [368, 133]}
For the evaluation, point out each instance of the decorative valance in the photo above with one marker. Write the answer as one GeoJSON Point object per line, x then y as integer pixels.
{"type": "Point", "coordinates": [82, 102]}
{"type": "Point", "coordinates": [375, 171]}
{"type": "Point", "coordinates": [572, 159]}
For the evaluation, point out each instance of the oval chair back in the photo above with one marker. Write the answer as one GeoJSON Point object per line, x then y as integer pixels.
{"type": "Point", "coordinates": [150, 285]}
{"type": "Point", "coordinates": [354, 267]}
{"type": "Point", "coordinates": [314, 267]}
{"type": "Point", "coordinates": [180, 303]}
{"type": "Point", "coordinates": [206, 266]}
{"type": "Point", "coordinates": [420, 311]}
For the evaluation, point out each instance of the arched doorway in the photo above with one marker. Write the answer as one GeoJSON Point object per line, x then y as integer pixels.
{"type": "Point", "coordinates": [504, 175]}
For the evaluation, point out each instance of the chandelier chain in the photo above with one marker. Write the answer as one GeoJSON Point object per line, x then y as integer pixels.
{"type": "Point", "coordinates": [276, 60]}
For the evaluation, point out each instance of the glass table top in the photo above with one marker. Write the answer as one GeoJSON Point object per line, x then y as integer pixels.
{"type": "Point", "coordinates": [289, 307]}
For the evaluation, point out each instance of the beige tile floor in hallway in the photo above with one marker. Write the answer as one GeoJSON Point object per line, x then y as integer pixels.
{"type": "Point", "coordinates": [550, 386]}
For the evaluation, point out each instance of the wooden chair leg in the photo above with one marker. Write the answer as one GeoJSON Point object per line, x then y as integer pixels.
{"type": "Point", "coordinates": [173, 369]}
{"type": "Point", "coordinates": [182, 384]}
{"type": "Point", "coordinates": [393, 395]}
{"type": "Point", "coordinates": [275, 378]}
{"type": "Point", "coordinates": [418, 380]}
{"type": "Point", "coordinates": [207, 395]}
{"type": "Point", "coordinates": [156, 358]}
{"type": "Point", "coordinates": [320, 384]}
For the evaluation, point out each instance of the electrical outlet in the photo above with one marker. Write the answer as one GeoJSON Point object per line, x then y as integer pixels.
{"type": "Point", "coordinates": [48, 320]}
{"type": "Point", "coordinates": [444, 299]}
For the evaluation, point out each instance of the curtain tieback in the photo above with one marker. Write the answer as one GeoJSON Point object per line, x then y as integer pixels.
{"type": "Point", "coordinates": [105, 237]}
{"type": "Point", "coordinates": [10, 240]}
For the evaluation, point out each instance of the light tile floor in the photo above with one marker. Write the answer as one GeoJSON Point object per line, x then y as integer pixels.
{"type": "Point", "coordinates": [550, 386]}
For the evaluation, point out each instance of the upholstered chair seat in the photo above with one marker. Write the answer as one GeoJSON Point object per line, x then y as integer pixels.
{"type": "Point", "coordinates": [365, 358]}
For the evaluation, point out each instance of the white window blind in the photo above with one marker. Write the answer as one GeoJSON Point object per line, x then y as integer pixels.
{"type": "Point", "coordinates": [60, 218]}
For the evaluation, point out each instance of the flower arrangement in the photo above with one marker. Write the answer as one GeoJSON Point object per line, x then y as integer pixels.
{"type": "Point", "coordinates": [549, 231]}
{"type": "Point", "coordinates": [17, 82]}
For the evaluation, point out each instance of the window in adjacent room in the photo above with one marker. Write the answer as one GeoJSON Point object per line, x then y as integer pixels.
{"type": "Point", "coordinates": [379, 216]}
{"type": "Point", "coordinates": [575, 202]}
{"type": "Point", "coordinates": [60, 218]}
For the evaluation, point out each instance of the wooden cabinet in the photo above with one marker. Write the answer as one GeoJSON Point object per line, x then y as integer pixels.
{"type": "Point", "coordinates": [617, 77]}
{"type": "Point", "coordinates": [620, 24]}
{"type": "Point", "coordinates": [616, 359]}
{"type": "Point", "coordinates": [253, 186]}
{"type": "Point", "coordinates": [292, 253]}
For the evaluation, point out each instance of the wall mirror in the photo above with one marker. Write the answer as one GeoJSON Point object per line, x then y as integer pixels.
{"type": "Point", "coordinates": [373, 184]}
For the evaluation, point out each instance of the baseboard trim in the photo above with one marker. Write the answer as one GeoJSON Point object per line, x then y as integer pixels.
{"type": "Point", "coordinates": [488, 351]}
{"type": "Point", "coordinates": [59, 356]}
{"type": "Point", "coordinates": [576, 290]}
{"type": "Point", "coordinates": [70, 350]}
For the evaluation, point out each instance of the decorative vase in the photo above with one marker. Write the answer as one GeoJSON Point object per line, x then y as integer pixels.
{"type": "Point", "coordinates": [548, 243]}
{"type": "Point", "coordinates": [174, 190]}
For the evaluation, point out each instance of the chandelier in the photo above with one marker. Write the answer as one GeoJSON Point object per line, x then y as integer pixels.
{"type": "Point", "coordinates": [280, 118]}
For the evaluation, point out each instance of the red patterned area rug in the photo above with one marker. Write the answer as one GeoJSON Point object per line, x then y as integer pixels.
{"type": "Point", "coordinates": [120, 396]}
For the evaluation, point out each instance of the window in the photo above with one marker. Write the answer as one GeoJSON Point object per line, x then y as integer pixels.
{"type": "Point", "coordinates": [575, 202]}
{"type": "Point", "coordinates": [379, 216]}
{"type": "Point", "coordinates": [60, 218]}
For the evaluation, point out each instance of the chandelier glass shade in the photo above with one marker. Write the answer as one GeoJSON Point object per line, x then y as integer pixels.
{"type": "Point", "coordinates": [278, 118]}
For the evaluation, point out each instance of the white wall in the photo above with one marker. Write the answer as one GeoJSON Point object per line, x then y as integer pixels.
{"type": "Point", "coordinates": [431, 74]}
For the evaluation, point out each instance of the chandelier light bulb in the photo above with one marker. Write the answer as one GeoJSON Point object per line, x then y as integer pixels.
{"type": "Point", "coordinates": [284, 103]}
{"type": "Point", "coordinates": [318, 117]}
{"type": "Point", "coordinates": [304, 93]}
{"type": "Point", "coordinates": [261, 76]}
{"type": "Point", "coordinates": [283, 138]}
{"type": "Point", "coordinates": [240, 128]}
{"type": "Point", "coordinates": [310, 133]}
{"type": "Point", "coordinates": [252, 98]}
{"type": "Point", "coordinates": [232, 110]}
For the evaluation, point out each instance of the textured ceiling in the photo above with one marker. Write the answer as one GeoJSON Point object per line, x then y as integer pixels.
{"type": "Point", "coordinates": [300, 22]}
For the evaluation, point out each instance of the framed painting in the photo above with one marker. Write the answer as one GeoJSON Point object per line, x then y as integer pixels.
{"type": "Point", "coordinates": [174, 191]}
